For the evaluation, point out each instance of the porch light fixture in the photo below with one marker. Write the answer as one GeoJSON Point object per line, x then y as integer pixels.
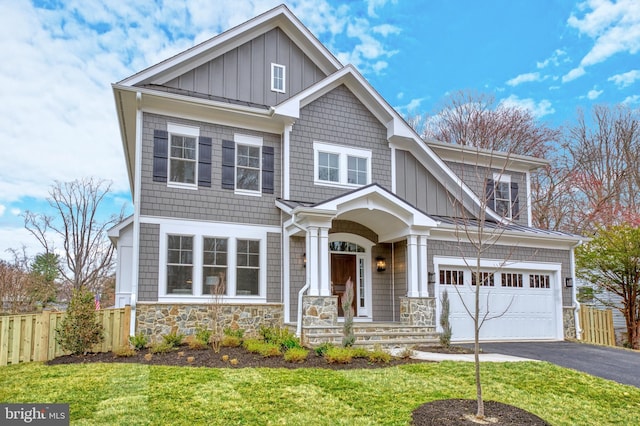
{"type": "Point", "coordinates": [568, 282]}
{"type": "Point", "coordinates": [431, 278]}
{"type": "Point", "coordinates": [304, 260]}
{"type": "Point", "coordinates": [381, 264]}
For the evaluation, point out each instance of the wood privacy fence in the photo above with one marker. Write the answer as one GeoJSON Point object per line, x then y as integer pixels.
{"type": "Point", "coordinates": [32, 337]}
{"type": "Point", "coordinates": [597, 326]}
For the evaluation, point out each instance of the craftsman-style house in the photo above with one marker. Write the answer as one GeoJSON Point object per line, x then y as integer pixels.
{"type": "Point", "coordinates": [267, 176]}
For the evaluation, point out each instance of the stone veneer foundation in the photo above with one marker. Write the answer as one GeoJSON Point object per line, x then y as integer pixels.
{"type": "Point", "coordinates": [569, 322]}
{"type": "Point", "coordinates": [155, 320]}
{"type": "Point", "coordinates": [418, 311]}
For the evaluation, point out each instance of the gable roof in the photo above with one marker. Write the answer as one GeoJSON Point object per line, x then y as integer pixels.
{"type": "Point", "coordinates": [189, 59]}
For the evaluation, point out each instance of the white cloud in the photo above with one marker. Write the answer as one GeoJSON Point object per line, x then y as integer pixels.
{"type": "Point", "coordinates": [3, 208]}
{"type": "Point", "coordinates": [555, 59]}
{"type": "Point", "coordinates": [372, 5]}
{"type": "Point", "coordinates": [16, 211]}
{"type": "Point", "coordinates": [630, 100]}
{"type": "Point", "coordinates": [539, 109]}
{"type": "Point", "coordinates": [625, 79]}
{"type": "Point", "coordinates": [385, 29]}
{"type": "Point", "coordinates": [573, 74]}
{"type": "Point", "coordinates": [593, 94]}
{"type": "Point", "coordinates": [525, 78]}
{"type": "Point", "coordinates": [613, 26]}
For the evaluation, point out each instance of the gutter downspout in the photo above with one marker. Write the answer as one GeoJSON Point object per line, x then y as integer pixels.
{"type": "Point", "coordinates": [574, 299]}
{"type": "Point", "coordinates": [137, 184]}
{"type": "Point", "coordinates": [303, 289]}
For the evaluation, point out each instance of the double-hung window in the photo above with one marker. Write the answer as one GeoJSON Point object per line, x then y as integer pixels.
{"type": "Point", "coordinates": [214, 265]}
{"type": "Point", "coordinates": [247, 166]}
{"type": "Point", "coordinates": [183, 154]}
{"type": "Point", "coordinates": [502, 196]}
{"type": "Point", "coordinates": [180, 264]}
{"type": "Point", "coordinates": [337, 165]}
{"type": "Point", "coordinates": [248, 267]}
{"type": "Point", "coordinates": [278, 78]}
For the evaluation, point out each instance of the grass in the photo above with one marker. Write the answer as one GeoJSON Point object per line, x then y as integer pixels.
{"type": "Point", "coordinates": [133, 394]}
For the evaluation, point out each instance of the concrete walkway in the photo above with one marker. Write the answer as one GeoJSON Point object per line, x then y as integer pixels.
{"type": "Point", "coordinates": [437, 357]}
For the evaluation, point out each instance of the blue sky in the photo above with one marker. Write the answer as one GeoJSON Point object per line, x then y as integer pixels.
{"type": "Point", "coordinates": [57, 118]}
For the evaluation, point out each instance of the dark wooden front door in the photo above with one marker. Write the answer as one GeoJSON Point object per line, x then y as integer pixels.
{"type": "Point", "coordinates": [343, 267]}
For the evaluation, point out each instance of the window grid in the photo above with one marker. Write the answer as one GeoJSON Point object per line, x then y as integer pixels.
{"type": "Point", "coordinates": [486, 279]}
{"type": "Point", "coordinates": [503, 198]}
{"type": "Point", "coordinates": [539, 281]}
{"type": "Point", "coordinates": [248, 167]}
{"type": "Point", "coordinates": [180, 264]}
{"type": "Point", "coordinates": [451, 277]}
{"type": "Point", "coordinates": [277, 77]}
{"type": "Point", "coordinates": [356, 170]}
{"type": "Point", "coordinates": [511, 280]}
{"type": "Point", "coordinates": [328, 167]}
{"type": "Point", "coordinates": [182, 159]}
{"type": "Point", "coordinates": [214, 266]}
{"type": "Point", "coordinates": [248, 267]}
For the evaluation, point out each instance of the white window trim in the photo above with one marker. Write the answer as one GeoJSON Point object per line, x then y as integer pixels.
{"type": "Point", "coordinates": [200, 230]}
{"type": "Point", "coordinates": [182, 130]}
{"type": "Point", "coordinates": [257, 141]}
{"type": "Point", "coordinates": [275, 66]}
{"type": "Point", "coordinates": [343, 153]}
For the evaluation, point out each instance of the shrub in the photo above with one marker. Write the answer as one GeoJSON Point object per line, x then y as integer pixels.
{"type": "Point", "coordinates": [445, 335]}
{"type": "Point", "coordinates": [338, 355]}
{"type": "Point", "coordinates": [239, 333]}
{"type": "Point", "coordinates": [197, 344]}
{"type": "Point", "coordinates": [231, 341]}
{"type": "Point", "coordinates": [380, 356]}
{"type": "Point", "coordinates": [173, 339]}
{"type": "Point", "coordinates": [161, 348]}
{"type": "Point", "coordinates": [323, 348]}
{"type": "Point", "coordinates": [203, 335]}
{"type": "Point", "coordinates": [281, 337]}
{"type": "Point", "coordinates": [349, 337]}
{"type": "Point", "coordinates": [406, 353]}
{"type": "Point", "coordinates": [263, 348]}
{"type": "Point", "coordinates": [124, 352]}
{"type": "Point", "coordinates": [79, 329]}
{"type": "Point", "coordinates": [296, 354]}
{"type": "Point", "coordinates": [360, 352]}
{"type": "Point", "coordinates": [139, 341]}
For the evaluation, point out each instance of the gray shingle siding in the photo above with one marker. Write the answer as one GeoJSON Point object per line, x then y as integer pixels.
{"type": "Point", "coordinates": [274, 280]}
{"type": "Point", "coordinates": [207, 204]}
{"type": "Point", "coordinates": [148, 270]}
{"type": "Point", "coordinates": [338, 118]}
{"type": "Point", "coordinates": [297, 273]}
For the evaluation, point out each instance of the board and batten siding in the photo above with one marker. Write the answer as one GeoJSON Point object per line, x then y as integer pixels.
{"type": "Point", "coordinates": [207, 203]}
{"type": "Point", "coordinates": [336, 118]}
{"type": "Point", "coordinates": [419, 187]}
{"type": "Point", "coordinates": [244, 73]}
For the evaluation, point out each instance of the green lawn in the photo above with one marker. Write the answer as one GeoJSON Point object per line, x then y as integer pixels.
{"type": "Point", "coordinates": [132, 394]}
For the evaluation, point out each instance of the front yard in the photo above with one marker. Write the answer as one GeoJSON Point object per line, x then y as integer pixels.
{"type": "Point", "coordinates": [135, 394]}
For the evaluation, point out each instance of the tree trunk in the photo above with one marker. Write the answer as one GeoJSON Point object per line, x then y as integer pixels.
{"type": "Point", "coordinates": [476, 348]}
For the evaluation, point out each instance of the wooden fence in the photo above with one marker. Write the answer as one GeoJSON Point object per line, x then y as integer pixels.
{"type": "Point", "coordinates": [32, 337]}
{"type": "Point", "coordinates": [597, 326]}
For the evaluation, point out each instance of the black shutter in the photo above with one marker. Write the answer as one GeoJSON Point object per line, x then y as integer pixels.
{"type": "Point", "coordinates": [515, 201]}
{"type": "Point", "coordinates": [228, 164]}
{"type": "Point", "coordinates": [160, 155]}
{"type": "Point", "coordinates": [204, 161]}
{"type": "Point", "coordinates": [490, 192]}
{"type": "Point", "coordinates": [267, 169]}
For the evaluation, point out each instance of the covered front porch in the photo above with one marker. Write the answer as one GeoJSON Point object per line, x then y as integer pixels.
{"type": "Point", "coordinates": [368, 239]}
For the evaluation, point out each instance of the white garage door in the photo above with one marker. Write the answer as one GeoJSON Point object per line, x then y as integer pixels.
{"type": "Point", "coordinates": [521, 305]}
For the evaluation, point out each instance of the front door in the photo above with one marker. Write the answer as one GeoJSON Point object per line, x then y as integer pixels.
{"type": "Point", "coordinates": [343, 268]}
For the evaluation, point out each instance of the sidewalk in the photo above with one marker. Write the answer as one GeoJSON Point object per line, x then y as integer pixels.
{"type": "Point", "coordinates": [437, 357]}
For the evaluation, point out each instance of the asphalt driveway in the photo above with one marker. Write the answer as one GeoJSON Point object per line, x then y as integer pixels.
{"type": "Point", "coordinates": [617, 364]}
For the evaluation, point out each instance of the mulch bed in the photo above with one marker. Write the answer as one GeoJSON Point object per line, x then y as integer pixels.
{"type": "Point", "coordinates": [442, 412]}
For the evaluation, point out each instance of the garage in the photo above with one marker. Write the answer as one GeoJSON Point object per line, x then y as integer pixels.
{"type": "Point", "coordinates": [520, 302]}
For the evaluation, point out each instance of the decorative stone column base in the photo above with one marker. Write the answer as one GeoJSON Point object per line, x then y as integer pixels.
{"type": "Point", "coordinates": [569, 322]}
{"type": "Point", "coordinates": [418, 311]}
{"type": "Point", "coordinates": [319, 311]}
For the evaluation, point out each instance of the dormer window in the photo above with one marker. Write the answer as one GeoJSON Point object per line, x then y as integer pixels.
{"type": "Point", "coordinates": [278, 78]}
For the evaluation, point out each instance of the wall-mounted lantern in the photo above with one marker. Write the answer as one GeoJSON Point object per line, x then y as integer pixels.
{"type": "Point", "coordinates": [431, 278]}
{"type": "Point", "coordinates": [304, 260]}
{"type": "Point", "coordinates": [381, 264]}
{"type": "Point", "coordinates": [568, 282]}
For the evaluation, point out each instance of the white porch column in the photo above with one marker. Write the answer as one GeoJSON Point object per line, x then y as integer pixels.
{"type": "Point", "coordinates": [422, 261]}
{"type": "Point", "coordinates": [323, 261]}
{"type": "Point", "coordinates": [312, 260]}
{"type": "Point", "coordinates": [413, 265]}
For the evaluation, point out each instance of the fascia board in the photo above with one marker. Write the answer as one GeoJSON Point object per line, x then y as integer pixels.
{"type": "Point", "coordinates": [126, 106]}
{"type": "Point", "coordinates": [280, 16]}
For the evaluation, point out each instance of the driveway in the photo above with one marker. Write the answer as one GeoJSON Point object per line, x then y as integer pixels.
{"type": "Point", "coordinates": [619, 365]}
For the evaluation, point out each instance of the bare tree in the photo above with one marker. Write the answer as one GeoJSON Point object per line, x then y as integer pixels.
{"type": "Point", "coordinates": [604, 176]}
{"type": "Point", "coordinates": [22, 287]}
{"type": "Point", "coordinates": [87, 253]}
